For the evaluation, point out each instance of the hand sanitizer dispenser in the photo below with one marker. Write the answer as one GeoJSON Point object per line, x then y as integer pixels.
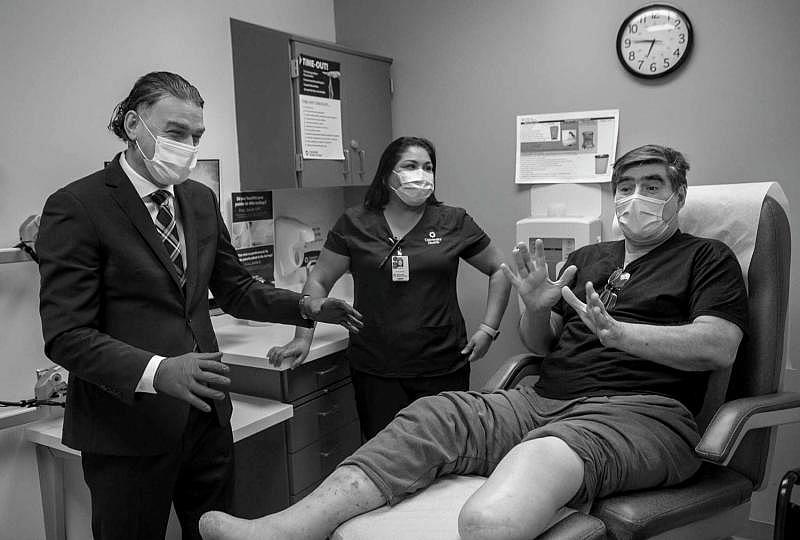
{"type": "Point", "coordinates": [291, 236]}
{"type": "Point", "coordinates": [561, 236]}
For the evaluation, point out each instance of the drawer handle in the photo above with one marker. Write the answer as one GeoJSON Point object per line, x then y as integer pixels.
{"type": "Point", "coordinates": [333, 452]}
{"type": "Point", "coordinates": [328, 371]}
{"type": "Point", "coordinates": [361, 154]}
{"type": "Point", "coordinates": [332, 410]}
{"type": "Point", "coordinates": [346, 167]}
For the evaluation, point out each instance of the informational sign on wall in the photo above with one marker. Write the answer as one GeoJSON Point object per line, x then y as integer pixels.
{"type": "Point", "coordinates": [569, 147]}
{"type": "Point", "coordinates": [253, 233]}
{"type": "Point", "coordinates": [320, 108]}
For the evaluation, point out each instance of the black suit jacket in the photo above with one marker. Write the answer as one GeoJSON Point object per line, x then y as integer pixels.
{"type": "Point", "coordinates": [111, 299]}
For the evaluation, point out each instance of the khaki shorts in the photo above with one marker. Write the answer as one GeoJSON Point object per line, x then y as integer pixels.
{"type": "Point", "coordinates": [626, 442]}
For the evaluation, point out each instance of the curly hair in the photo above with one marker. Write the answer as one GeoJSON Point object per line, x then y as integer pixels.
{"type": "Point", "coordinates": [149, 89]}
{"type": "Point", "coordinates": [673, 160]}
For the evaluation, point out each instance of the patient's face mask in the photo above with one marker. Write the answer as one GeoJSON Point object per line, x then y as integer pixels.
{"type": "Point", "coordinates": [645, 220]}
{"type": "Point", "coordinates": [415, 186]}
{"type": "Point", "coordinates": [172, 161]}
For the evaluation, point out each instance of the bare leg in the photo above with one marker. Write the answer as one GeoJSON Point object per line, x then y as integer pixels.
{"type": "Point", "coordinates": [521, 497]}
{"type": "Point", "coordinates": [347, 492]}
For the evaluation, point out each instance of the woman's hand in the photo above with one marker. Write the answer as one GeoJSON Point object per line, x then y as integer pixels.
{"type": "Point", "coordinates": [477, 346]}
{"type": "Point", "coordinates": [293, 352]}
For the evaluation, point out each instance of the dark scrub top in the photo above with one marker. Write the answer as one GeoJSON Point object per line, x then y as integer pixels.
{"type": "Point", "coordinates": [413, 327]}
{"type": "Point", "coordinates": [679, 280]}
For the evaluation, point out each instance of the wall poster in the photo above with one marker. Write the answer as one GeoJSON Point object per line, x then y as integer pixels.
{"type": "Point", "coordinates": [253, 233]}
{"type": "Point", "coordinates": [571, 147]}
{"type": "Point", "coordinates": [320, 105]}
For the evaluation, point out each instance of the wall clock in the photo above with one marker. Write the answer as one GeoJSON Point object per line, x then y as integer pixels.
{"type": "Point", "coordinates": [654, 40]}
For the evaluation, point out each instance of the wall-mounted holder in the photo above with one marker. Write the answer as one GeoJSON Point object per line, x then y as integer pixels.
{"type": "Point", "coordinates": [26, 249]}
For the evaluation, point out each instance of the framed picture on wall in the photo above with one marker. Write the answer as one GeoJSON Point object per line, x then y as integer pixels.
{"type": "Point", "coordinates": [207, 172]}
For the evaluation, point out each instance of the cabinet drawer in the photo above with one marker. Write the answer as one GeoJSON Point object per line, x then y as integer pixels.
{"type": "Point", "coordinates": [290, 384]}
{"type": "Point", "coordinates": [317, 460]}
{"type": "Point", "coordinates": [314, 376]}
{"type": "Point", "coordinates": [325, 414]}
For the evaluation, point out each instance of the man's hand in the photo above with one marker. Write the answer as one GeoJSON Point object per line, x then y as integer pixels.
{"type": "Point", "coordinates": [335, 311]}
{"type": "Point", "coordinates": [477, 346]}
{"type": "Point", "coordinates": [537, 290]}
{"type": "Point", "coordinates": [187, 377]}
{"type": "Point", "coordinates": [593, 313]}
{"type": "Point", "coordinates": [293, 352]}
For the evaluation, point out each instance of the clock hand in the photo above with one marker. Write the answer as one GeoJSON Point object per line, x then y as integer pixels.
{"type": "Point", "coordinates": [652, 42]}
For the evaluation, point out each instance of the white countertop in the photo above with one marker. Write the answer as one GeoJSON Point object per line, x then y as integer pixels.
{"type": "Point", "coordinates": [14, 416]}
{"type": "Point", "coordinates": [245, 344]}
{"type": "Point", "coordinates": [250, 415]}
{"type": "Point", "coordinates": [242, 343]}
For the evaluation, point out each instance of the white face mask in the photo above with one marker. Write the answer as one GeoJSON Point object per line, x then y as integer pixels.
{"type": "Point", "coordinates": [415, 186]}
{"type": "Point", "coordinates": [172, 161]}
{"type": "Point", "coordinates": [645, 220]}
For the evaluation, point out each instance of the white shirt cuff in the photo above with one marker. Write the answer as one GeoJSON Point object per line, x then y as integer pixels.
{"type": "Point", "coordinates": [148, 377]}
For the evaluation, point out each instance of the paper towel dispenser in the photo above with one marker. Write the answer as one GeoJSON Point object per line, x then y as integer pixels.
{"type": "Point", "coordinates": [291, 236]}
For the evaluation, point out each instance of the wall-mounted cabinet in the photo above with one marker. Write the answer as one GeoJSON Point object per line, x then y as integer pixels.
{"type": "Point", "coordinates": [267, 81]}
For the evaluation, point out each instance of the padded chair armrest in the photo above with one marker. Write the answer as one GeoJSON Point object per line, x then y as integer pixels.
{"type": "Point", "coordinates": [513, 370]}
{"type": "Point", "coordinates": [734, 419]}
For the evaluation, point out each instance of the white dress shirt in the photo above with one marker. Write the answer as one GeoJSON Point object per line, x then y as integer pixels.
{"type": "Point", "coordinates": [145, 188]}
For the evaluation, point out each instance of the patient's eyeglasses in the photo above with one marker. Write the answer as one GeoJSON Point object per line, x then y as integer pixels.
{"type": "Point", "coordinates": [616, 282]}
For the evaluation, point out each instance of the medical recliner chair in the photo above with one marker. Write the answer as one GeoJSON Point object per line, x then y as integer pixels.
{"type": "Point", "coordinates": [741, 409]}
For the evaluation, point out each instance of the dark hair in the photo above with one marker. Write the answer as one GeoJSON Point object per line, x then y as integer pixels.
{"type": "Point", "coordinates": [148, 90]}
{"type": "Point", "coordinates": [673, 160]}
{"type": "Point", "coordinates": [377, 195]}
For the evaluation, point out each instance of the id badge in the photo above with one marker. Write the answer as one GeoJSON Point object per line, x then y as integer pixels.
{"type": "Point", "coordinates": [400, 268]}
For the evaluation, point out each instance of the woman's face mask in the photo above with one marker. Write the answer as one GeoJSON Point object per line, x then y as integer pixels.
{"type": "Point", "coordinates": [415, 186]}
{"type": "Point", "coordinates": [172, 161]}
{"type": "Point", "coordinates": [645, 220]}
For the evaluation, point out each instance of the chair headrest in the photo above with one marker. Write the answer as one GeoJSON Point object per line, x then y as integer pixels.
{"type": "Point", "coordinates": [730, 213]}
{"type": "Point", "coordinates": [727, 212]}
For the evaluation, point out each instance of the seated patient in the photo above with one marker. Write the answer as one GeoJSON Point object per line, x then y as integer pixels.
{"type": "Point", "coordinates": [626, 368]}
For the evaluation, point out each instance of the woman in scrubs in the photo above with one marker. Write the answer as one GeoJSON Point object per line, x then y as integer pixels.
{"type": "Point", "coordinates": [403, 248]}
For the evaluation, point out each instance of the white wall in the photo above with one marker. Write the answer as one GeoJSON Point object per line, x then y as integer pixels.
{"type": "Point", "coordinates": [463, 69]}
{"type": "Point", "coordinates": [63, 68]}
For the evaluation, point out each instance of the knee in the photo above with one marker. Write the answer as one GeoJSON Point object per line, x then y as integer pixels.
{"type": "Point", "coordinates": [428, 407]}
{"type": "Point", "coordinates": [436, 401]}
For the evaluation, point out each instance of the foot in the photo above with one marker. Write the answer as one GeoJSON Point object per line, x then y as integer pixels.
{"type": "Point", "coordinates": [222, 526]}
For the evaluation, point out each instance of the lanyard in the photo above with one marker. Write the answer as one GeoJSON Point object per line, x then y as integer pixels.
{"type": "Point", "coordinates": [391, 250]}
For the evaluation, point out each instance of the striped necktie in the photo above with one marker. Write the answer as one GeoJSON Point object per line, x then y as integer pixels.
{"type": "Point", "coordinates": [167, 228]}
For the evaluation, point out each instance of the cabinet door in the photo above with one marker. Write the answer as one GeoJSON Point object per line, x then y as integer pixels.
{"type": "Point", "coordinates": [263, 92]}
{"type": "Point", "coordinates": [369, 115]}
{"type": "Point", "coordinates": [366, 118]}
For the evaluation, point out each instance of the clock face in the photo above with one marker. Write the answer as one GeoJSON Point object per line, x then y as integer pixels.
{"type": "Point", "coordinates": [654, 40]}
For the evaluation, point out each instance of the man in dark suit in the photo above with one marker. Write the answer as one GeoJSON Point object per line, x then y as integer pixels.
{"type": "Point", "coordinates": [128, 254]}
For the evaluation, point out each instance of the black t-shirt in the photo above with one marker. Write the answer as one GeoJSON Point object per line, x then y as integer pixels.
{"type": "Point", "coordinates": [412, 327]}
{"type": "Point", "coordinates": [681, 279]}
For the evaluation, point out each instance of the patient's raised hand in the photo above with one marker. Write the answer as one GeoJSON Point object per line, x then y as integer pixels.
{"type": "Point", "coordinates": [537, 290]}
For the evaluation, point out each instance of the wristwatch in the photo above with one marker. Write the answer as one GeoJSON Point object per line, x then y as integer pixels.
{"type": "Point", "coordinates": [491, 332]}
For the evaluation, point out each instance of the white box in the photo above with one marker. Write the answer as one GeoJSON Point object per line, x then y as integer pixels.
{"type": "Point", "coordinates": [561, 236]}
